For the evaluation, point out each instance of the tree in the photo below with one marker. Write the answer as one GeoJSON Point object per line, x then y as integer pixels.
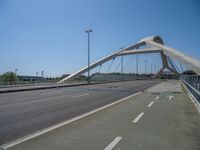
{"type": "Point", "coordinates": [9, 77]}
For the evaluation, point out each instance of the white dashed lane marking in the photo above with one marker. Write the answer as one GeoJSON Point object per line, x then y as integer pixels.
{"type": "Point", "coordinates": [150, 104]}
{"type": "Point", "coordinates": [138, 117]}
{"type": "Point", "coordinates": [113, 143]}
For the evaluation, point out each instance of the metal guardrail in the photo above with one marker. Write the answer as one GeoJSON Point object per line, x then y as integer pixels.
{"type": "Point", "coordinates": [25, 83]}
{"type": "Point", "coordinates": [192, 82]}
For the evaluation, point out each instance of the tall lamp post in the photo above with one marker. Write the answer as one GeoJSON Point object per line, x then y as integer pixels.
{"type": "Point", "coordinates": [145, 62]}
{"type": "Point", "coordinates": [15, 75]}
{"type": "Point", "coordinates": [16, 71]}
{"type": "Point", "coordinates": [42, 73]}
{"type": "Point", "coordinates": [151, 70]}
{"type": "Point", "coordinates": [136, 67]}
{"type": "Point", "coordinates": [88, 33]}
{"type": "Point", "coordinates": [122, 68]}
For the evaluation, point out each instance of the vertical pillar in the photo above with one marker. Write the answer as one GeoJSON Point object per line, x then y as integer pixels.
{"type": "Point", "coordinates": [122, 69]}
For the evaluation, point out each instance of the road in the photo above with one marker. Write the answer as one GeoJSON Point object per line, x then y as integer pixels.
{"type": "Point", "coordinates": [161, 117]}
{"type": "Point", "coordinates": [22, 113]}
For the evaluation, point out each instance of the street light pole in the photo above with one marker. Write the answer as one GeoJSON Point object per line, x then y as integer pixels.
{"type": "Point", "coordinates": [88, 33]}
{"type": "Point", "coordinates": [145, 66]}
{"type": "Point", "coordinates": [137, 67]}
{"type": "Point", "coordinates": [16, 71]}
{"type": "Point", "coordinates": [42, 73]}
{"type": "Point", "coordinates": [151, 70]}
{"type": "Point", "coordinates": [122, 66]}
{"type": "Point", "coordinates": [122, 69]}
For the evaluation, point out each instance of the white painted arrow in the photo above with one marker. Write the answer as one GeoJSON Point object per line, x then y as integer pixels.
{"type": "Point", "coordinates": [170, 97]}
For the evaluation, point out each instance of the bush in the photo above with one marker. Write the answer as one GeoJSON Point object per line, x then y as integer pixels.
{"type": "Point", "coordinates": [9, 77]}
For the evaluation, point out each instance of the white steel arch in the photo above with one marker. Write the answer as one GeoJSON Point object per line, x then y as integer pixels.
{"type": "Point", "coordinates": [155, 45]}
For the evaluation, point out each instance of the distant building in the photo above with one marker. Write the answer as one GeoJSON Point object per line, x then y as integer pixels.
{"type": "Point", "coordinates": [31, 78]}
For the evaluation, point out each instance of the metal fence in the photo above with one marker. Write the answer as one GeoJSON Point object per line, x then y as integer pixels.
{"type": "Point", "coordinates": [25, 83]}
{"type": "Point", "coordinates": [192, 82]}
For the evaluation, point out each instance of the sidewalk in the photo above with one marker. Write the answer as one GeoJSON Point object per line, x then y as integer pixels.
{"type": "Point", "coordinates": [38, 87]}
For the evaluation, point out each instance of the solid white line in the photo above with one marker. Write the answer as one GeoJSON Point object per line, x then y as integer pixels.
{"type": "Point", "coordinates": [138, 117]}
{"type": "Point", "coordinates": [113, 143]}
{"type": "Point", "coordinates": [76, 96]}
{"type": "Point", "coordinates": [157, 97]}
{"type": "Point", "coordinates": [43, 131]}
{"type": "Point", "coordinates": [150, 104]}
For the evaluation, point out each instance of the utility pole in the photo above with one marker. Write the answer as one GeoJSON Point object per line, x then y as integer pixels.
{"type": "Point", "coordinates": [88, 33]}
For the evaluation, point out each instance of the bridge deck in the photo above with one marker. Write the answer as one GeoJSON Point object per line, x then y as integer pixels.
{"type": "Point", "coordinates": [162, 117]}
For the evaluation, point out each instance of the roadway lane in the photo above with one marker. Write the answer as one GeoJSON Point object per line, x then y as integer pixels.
{"type": "Point", "coordinates": [22, 113]}
{"type": "Point", "coordinates": [160, 118]}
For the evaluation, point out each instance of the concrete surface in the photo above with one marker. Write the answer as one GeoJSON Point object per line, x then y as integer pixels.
{"type": "Point", "coordinates": [22, 113]}
{"type": "Point", "coordinates": [170, 86]}
{"type": "Point", "coordinates": [169, 122]}
{"type": "Point", "coordinates": [19, 88]}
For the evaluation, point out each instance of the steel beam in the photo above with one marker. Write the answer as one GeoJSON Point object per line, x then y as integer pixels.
{"type": "Point", "coordinates": [190, 62]}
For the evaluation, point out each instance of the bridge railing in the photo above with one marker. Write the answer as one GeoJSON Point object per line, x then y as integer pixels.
{"type": "Point", "coordinates": [192, 82]}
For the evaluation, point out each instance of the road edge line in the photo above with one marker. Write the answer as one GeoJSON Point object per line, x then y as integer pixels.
{"type": "Point", "coordinates": [51, 128]}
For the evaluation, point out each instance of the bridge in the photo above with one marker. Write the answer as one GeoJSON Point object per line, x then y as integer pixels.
{"type": "Point", "coordinates": [152, 44]}
{"type": "Point", "coordinates": [122, 108]}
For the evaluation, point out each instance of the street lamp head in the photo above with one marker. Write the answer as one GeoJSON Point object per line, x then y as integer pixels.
{"type": "Point", "coordinates": [88, 31]}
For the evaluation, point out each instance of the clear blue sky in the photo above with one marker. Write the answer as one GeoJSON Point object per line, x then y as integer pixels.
{"type": "Point", "coordinates": [49, 35]}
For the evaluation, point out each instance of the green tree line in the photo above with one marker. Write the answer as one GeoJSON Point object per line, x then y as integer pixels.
{"type": "Point", "coordinates": [9, 78]}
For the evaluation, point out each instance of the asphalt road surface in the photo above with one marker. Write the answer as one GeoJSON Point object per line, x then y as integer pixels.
{"type": "Point", "coordinates": [22, 113]}
{"type": "Point", "coordinates": [162, 117]}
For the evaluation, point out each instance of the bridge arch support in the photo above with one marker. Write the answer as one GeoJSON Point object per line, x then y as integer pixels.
{"type": "Point", "coordinates": [153, 44]}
